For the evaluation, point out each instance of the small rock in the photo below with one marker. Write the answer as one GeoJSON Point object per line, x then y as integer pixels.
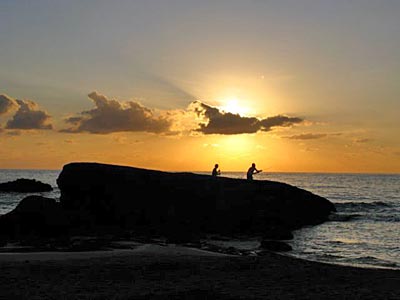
{"type": "Point", "coordinates": [23, 185]}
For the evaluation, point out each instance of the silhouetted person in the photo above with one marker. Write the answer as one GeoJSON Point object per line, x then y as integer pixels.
{"type": "Point", "coordinates": [252, 170]}
{"type": "Point", "coordinates": [216, 171]}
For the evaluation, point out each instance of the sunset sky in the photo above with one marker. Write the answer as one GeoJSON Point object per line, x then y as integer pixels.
{"type": "Point", "coordinates": [294, 86]}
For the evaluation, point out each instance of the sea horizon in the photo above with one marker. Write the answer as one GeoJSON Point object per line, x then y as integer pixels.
{"type": "Point", "coordinates": [222, 172]}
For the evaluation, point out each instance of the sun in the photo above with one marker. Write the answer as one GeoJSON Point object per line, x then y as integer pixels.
{"type": "Point", "coordinates": [233, 106]}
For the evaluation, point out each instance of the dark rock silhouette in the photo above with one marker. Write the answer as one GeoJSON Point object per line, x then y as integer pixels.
{"type": "Point", "coordinates": [184, 204]}
{"type": "Point", "coordinates": [99, 200]}
{"type": "Point", "coordinates": [23, 185]}
{"type": "Point", "coordinates": [34, 216]}
{"type": "Point", "coordinates": [277, 233]}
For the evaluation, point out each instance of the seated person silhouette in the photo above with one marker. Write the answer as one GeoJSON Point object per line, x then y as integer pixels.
{"type": "Point", "coordinates": [216, 171]}
{"type": "Point", "coordinates": [252, 170]}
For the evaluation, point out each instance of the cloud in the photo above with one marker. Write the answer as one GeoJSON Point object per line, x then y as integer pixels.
{"type": "Point", "coordinates": [307, 136]}
{"type": "Point", "coordinates": [10, 133]}
{"type": "Point", "coordinates": [310, 149]}
{"type": "Point", "coordinates": [28, 116]}
{"type": "Point", "coordinates": [362, 140]}
{"type": "Point", "coordinates": [210, 145]}
{"type": "Point", "coordinates": [279, 121]}
{"type": "Point", "coordinates": [7, 104]}
{"type": "Point", "coordinates": [14, 132]}
{"type": "Point", "coordinates": [69, 141]}
{"type": "Point", "coordinates": [110, 115]}
{"type": "Point", "coordinates": [311, 136]}
{"type": "Point", "coordinates": [220, 122]}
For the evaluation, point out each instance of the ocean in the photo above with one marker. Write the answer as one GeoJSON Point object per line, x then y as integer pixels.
{"type": "Point", "coordinates": [364, 232]}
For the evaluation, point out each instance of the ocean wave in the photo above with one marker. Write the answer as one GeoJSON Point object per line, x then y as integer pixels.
{"type": "Point", "coordinates": [338, 217]}
{"type": "Point", "coordinates": [378, 217]}
{"type": "Point", "coordinates": [362, 261]}
{"type": "Point", "coordinates": [362, 205]}
{"type": "Point", "coordinates": [346, 242]}
{"type": "Point", "coordinates": [371, 260]}
{"type": "Point", "coordinates": [329, 257]}
{"type": "Point", "coordinates": [392, 218]}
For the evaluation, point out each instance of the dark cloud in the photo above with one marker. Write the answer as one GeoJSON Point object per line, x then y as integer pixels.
{"type": "Point", "coordinates": [220, 122]}
{"type": "Point", "coordinates": [278, 121]}
{"type": "Point", "coordinates": [307, 136]}
{"type": "Point", "coordinates": [113, 116]}
{"type": "Point", "coordinates": [6, 104]}
{"type": "Point", "coordinates": [225, 123]}
{"type": "Point", "coordinates": [28, 116]}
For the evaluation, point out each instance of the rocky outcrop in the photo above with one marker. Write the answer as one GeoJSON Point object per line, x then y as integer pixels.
{"type": "Point", "coordinates": [183, 204]}
{"type": "Point", "coordinates": [23, 185]}
{"type": "Point", "coordinates": [112, 201]}
{"type": "Point", "coordinates": [35, 216]}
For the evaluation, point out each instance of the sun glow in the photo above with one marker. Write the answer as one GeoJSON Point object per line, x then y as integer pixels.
{"type": "Point", "coordinates": [236, 147]}
{"type": "Point", "coordinates": [233, 106]}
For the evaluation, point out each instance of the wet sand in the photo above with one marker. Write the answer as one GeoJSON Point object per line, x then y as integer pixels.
{"type": "Point", "coordinates": [172, 272]}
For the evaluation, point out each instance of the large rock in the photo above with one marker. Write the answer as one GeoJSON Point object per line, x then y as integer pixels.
{"type": "Point", "coordinates": [34, 216]}
{"type": "Point", "coordinates": [160, 202]}
{"type": "Point", "coordinates": [277, 233]}
{"type": "Point", "coordinates": [23, 185]}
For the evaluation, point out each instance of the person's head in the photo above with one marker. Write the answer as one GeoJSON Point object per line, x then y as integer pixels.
{"type": "Point", "coordinates": [216, 165]}
{"type": "Point", "coordinates": [253, 165]}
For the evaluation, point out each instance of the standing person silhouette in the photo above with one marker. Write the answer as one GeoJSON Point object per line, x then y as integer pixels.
{"type": "Point", "coordinates": [216, 171]}
{"type": "Point", "coordinates": [252, 170]}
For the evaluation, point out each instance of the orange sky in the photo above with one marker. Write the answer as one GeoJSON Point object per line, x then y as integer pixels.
{"type": "Point", "coordinates": [295, 86]}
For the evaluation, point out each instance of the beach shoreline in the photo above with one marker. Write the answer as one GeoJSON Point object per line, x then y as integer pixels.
{"type": "Point", "coordinates": [151, 271]}
{"type": "Point", "coordinates": [156, 249]}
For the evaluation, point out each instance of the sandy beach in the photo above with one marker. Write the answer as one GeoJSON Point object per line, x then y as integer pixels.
{"type": "Point", "coordinates": [152, 271]}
